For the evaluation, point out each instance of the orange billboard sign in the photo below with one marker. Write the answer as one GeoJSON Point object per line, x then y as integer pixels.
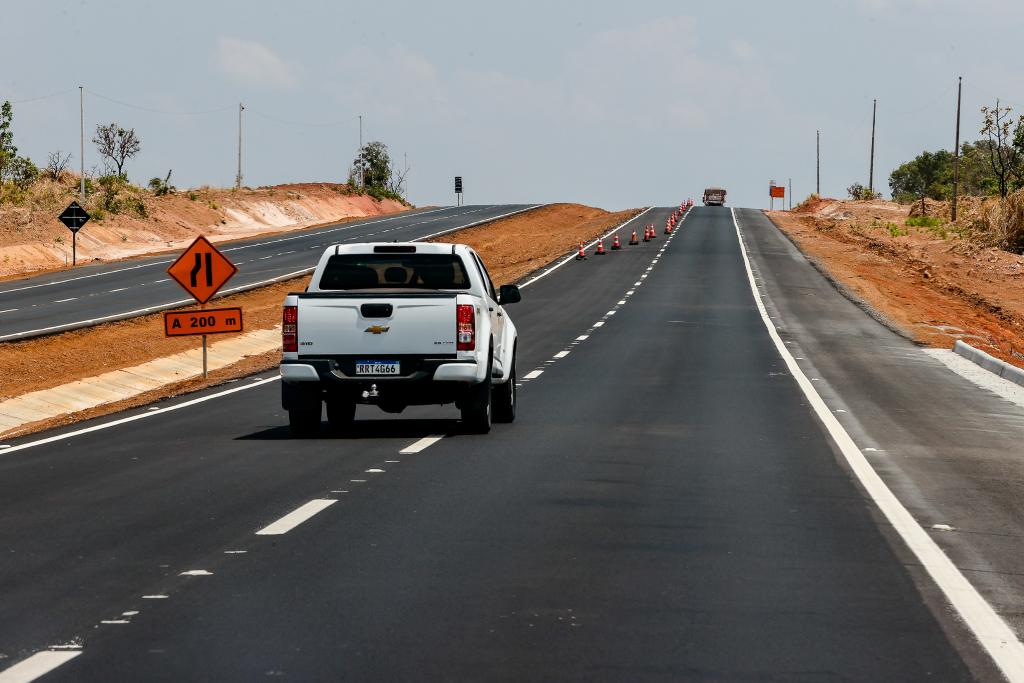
{"type": "Point", "coordinates": [212, 321]}
{"type": "Point", "coordinates": [202, 270]}
{"type": "Point", "coordinates": [777, 191]}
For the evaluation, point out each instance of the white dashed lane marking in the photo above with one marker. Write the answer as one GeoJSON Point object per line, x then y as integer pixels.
{"type": "Point", "coordinates": [533, 375]}
{"type": "Point", "coordinates": [417, 446]}
{"type": "Point", "coordinates": [296, 517]}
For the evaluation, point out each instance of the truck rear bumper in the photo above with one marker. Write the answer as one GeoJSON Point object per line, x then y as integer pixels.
{"type": "Point", "coordinates": [328, 373]}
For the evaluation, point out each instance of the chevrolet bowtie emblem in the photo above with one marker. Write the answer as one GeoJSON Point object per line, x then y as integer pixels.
{"type": "Point", "coordinates": [377, 329]}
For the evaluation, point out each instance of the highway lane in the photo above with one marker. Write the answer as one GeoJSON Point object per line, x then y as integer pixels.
{"type": "Point", "coordinates": [97, 292]}
{"type": "Point", "coordinates": [665, 507]}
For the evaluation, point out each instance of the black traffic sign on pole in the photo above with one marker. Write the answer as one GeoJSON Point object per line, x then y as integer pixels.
{"type": "Point", "coordinates": [74, 217]}
{"type": "Point", "coordinates": [458, 189]}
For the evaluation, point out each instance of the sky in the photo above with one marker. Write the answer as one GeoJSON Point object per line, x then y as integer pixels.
{"type": "Point", "coordinates": [614, 105]}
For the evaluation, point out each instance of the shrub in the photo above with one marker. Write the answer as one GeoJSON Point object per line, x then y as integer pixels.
{"type": "Point", "coordinates": [924, 222]}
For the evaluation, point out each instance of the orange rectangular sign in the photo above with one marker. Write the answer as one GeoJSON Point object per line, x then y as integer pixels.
{"type": "Point", "coordinates": [212, 321]}
{"type": "Point", "coordinates": [777, 191]}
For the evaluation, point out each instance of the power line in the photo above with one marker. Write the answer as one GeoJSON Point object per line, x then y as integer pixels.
{"type": "Point", "coordinates": [160, 111]}
{"type": "Point", "coordinates": [43, 97]}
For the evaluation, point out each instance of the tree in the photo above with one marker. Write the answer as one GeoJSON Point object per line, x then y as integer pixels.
{"type": "Point", "coordinates": [117, 145]}
{"type": "Point", "coordinates": [930, 174]}
{"type": "Point", "coordinates": [8, 152]}
{"type": "Point", "coordinates": [375, 164]}
{"type": "Point", "coordinates": [858, 191]}
{"type": "Point", "coordinates": [57, 164]}
{"type": "Point", "coordinates": [1003, 155]}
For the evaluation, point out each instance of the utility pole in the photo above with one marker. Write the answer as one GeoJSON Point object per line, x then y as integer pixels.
{"type": "Point", "coordinates": [81, 143]}
{"type": "Point", "coordinates": [956, 148]}
{"type": "Point", "coordinates": [817, 184]}
{"type": "Point", "coordinates": [405, 175]}
{"type": "Point", "coordinates": [871, 171]}
{"type": "Point", "coordinates": [360, 157]}
{"type": "Point", "coordinates": [238, 176]}
{"type": "Point", "coordinates": [790, 194]}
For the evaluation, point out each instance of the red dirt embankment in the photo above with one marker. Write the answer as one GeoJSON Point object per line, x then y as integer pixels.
{"type": "Point", "coordinates": [32, 239]}
{"type": "Point", "coordinates": [935, 282]}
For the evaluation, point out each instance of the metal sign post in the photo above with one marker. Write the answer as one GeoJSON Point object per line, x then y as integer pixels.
{"type": "Point", "coordinates": [458, 190]}
{"type": "Point", "coordinates": [74, 217]}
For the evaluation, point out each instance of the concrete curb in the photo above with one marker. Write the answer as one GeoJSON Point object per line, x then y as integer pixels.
{"type": "Point", "coordinates": [990, 363]}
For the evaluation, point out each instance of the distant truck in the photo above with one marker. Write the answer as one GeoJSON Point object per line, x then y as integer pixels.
{"type": "Point", "coordinates": [398, 324]}
{"type": "Point", "coordinates": [714, 196]}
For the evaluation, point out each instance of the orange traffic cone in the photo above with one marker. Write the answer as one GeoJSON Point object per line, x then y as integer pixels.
{"type": "Point", "coordinates": [600, 247]}
{"type": "Point", "coordinates": [654, 233]}
{"type": "Point", "coordinates": [633, 240]}
{"type": "Point", "coordinates": [582, 254]}
{"type": "Point", "coordinates": [616, 245]}
{"type": "Point", "coordinates": [668, 228]}
{"type": "Point", "coordinates": [647, 234]}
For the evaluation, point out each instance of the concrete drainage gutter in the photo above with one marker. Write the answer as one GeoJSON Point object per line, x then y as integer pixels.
{"type": "Point", "coordinates": [990, 363]}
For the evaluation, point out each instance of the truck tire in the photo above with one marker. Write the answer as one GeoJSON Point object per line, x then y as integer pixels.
{"type": "Point", "coordinates": [340, 414]}
{"type": "Point", "coordinates": [504, 397]}
{"type": "Point", "coordinates": [304, 422]}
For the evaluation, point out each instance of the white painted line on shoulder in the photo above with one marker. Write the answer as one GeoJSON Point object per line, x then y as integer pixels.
{"type": "Point", "coordinates": [119, 289]}
{"type": "Point", "coordinates": [358, 481]}
{"type": "Point", "coordinates": [115, 621]}
{"type": "Point", "coordinates": [9, 310]}
{"type": "Point", "coordinates": [583, 337]}
{"type": "Point", "coordinates": [235, 552]}
{"type": "Point", "coordinates": [561, 354]}
{"type": "Point", "coordinates": [994, 635]}
{"type": "Point", "coordinates": [257, 381]}
{"type": "Point", "coordinates": [296, 517]}
{"type": "Point", "coordinates": [37, 666]}
{"type": "Point", "coordinates": [154, 597]}
{"type": "Point", "coordinates": [417, 446]}
{"type": "Point", "coordinates": [534, 374]}
{"type": "Point", "coordinates": [196, 572]}
{"type": "Point", "coordinates": [61, 301]}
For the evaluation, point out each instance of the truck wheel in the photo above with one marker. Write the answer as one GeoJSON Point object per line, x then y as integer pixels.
{"type": "Point", "coordinates": [504, 397]}
{"type": "Point", "coordinates": [340, 414]}
{"type": "Point", "coordinates": [304, 422]}
{"type": "Point", "coordinates": [476, 412]}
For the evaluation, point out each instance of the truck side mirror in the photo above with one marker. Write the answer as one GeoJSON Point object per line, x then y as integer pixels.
{"type": "Point", "coordinates": [509, 294]}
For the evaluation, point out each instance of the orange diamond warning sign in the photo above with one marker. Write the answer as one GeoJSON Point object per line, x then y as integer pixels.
{"type": "Point", "coordinates": [202, 270]}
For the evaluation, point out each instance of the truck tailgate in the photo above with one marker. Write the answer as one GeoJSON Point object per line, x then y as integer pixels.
{"type": "Point", "coordinates": [346, 324]}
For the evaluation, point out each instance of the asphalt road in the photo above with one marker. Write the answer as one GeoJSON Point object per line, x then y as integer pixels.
{"type": "Point", "coordinates": [666, 507]}
{"type": "Point", "coordinates": [100, 292]}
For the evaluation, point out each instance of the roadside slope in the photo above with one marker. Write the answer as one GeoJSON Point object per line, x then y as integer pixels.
{"type": "Point", "coordinates": [932, 284]}
{"type": "Point", "coordinates": [33, 240]}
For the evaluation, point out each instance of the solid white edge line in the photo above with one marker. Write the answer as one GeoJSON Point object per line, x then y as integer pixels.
{"type": "Point", "coordinates": [994, 635]}
{"type": "Point", "coordinates": [39, 664]}
{"type": "Point", "coordinates": [296, 517]}
{"type": "Point", "coordinates": [586, 246]}
{"type": "Point", "coordinates": [417, 446]}
{"type": "Point", "coordinates": [140, 416]}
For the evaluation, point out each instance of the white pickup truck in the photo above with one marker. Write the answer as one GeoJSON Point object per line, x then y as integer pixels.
{"type": "Point", "coordinates": [398, 324]}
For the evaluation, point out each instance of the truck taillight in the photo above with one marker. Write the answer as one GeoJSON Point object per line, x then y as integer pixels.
{"type": "Point", "coordinates": [465, 327]}
{"type": "Point", "coordinates": [290, 329]}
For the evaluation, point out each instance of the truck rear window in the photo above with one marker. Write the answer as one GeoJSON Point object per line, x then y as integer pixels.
{"type": "Point", "coordinates": [394, 271]}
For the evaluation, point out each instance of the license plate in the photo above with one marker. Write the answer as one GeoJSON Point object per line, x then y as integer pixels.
{"type": "Point", "coordinates": [377, 367]}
